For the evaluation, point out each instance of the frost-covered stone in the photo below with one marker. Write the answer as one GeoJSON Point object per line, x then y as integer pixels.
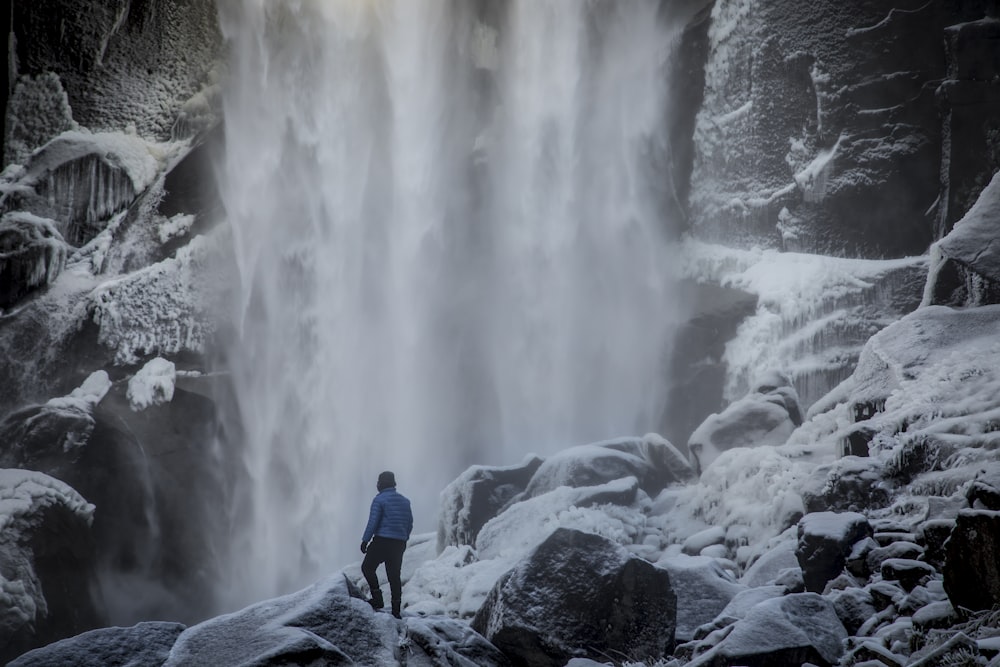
{"type": "Point", "coordinates": [965, 264]}
{"type": "Point", "coordinates": [972, 560]}
{"type": "Point", "coordinates": [651, 459]}
{"type": "Point", "coordinates": [767, 416]}
{"type": "Point", "coordinates": [908, 572]}
{"type": "Point", "coordinates": [478, 495]}
{"type": "Point", "coordinates": [153, 384]}
{"type": "Point", "coordinates": [703, 589]}
{"type": "Point", "coordinates": [327, 623]}
{"type": "Point", "coordinates": [38, 111]}
{"type": "Point", "coordinates": [781, 632]}
{"type": "Point", "coordinates": [770, 564]}
{"type": "Point", "coordinates": [46, 562]}
{"type": "Point", "coordinates": [580, 595]}
{"type": "Point", "coordinates": [825, 541]}
{"type": "Point", "coordinates": [854, 606]}
{"type": "Point", "coordinates": [32, 255]}
{"type": "Point", "coordinates": [143, 644]}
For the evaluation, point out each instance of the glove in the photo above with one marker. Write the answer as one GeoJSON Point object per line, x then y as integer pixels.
{"type": "Point", "coordinates": [364, 548]}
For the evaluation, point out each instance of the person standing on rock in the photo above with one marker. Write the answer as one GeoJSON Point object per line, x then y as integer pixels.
{"type": "Point", "coordinates": [389, 524]}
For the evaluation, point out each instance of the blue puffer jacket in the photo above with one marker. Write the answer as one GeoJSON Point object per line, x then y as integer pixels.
{"type": "Point", "coordinates": [390, 516]}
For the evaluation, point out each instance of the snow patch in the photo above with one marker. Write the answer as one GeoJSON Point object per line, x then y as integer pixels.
{"type": "Point", "coordinates": [152, 385]}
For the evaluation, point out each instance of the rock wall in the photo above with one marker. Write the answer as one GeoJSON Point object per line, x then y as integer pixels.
{"type": "Point", "coordinates": [822, 131]}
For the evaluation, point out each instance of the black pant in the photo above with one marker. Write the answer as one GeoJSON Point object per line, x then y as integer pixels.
{"type": "Point", "coordinates": [388, 551]}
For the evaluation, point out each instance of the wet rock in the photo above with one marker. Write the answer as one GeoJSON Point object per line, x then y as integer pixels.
{"type": "Point", "coordinates": [781, 632]}
{"type": "Point", "coordinates": [935, 534]}
{"type": "Point", "coordinates": [580, 595]}
{"type": "Point", "coordinates": [32, 255]}
{"type": "Point", "coordinates": [478, 495]}
{"type": "Point", "coordinates": [825, 540]}
{"type": "Point", "coordinates": [47, 561]}
{"type": "Point", "coordinates": [146, 643]}
{"type": "Point", "coordinates": [972, 560]}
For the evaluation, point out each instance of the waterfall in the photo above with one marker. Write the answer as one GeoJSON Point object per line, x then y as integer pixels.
{"type": "Point", "coordinates": [449, 221]}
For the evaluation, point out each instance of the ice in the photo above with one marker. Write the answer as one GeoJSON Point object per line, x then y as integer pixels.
{"type": "Point", "coordinates": [152, 385]}
{"type": "Point", "coordinates": [32, 251]}
{"type": "Point", "coordinates": [37, 111]}
{"type": "Point", "coordinates": [814, 312]}
{"type": "Point", "coordinates": [85, 397]}
{"type": "Point", "coordinates": [174, 227]}
{"type": "Point", "coordinates": [138, 159]}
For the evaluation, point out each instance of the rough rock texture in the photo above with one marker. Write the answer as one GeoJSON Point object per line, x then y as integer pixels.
{"type": "Point", "coordinates": [121, 63]}
{"type": "Point", "coordinates": [965, 264]}
{"type": "Point", "coordinates": [46, 562]}
{"type": "Point", "coordinates": [328, 623]}
{"type": "Point", "coordinates": [651, 459]}
{"type": "Point", "coordinates": [703, 589]}
{"type": "Point", "coordinates": [478, 495]}
{"type": "Point", "coordinates": [820, 130]}
{"type": "Point", "coordinates": [579, 595]}
{"type": "Point", "coordinates": [972, 560]}
{"type": "Point", "coordinates": [766, 416]}
{"type": "Point", "coordinates": [141, 645]}
{"type": "Point", "coordinates": [781, 632]}
{"type": "Point", "coordinates": [825, 541]}
{"type": "Point", "coordinates": [32, 255]}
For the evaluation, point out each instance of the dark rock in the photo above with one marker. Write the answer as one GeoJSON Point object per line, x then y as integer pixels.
{"type": "Point", "coordinates": [854, 606]}
{"type": "Point", "coordinates": [972, 560]}
{"type": "Point", "coordinates": [825, 540]}
{"type": "Point", "coordinates": [857, 561]}
{"type": "Point", "coordinates": [328, 624]}
{"type": "Point", "coordinates": [32, 255]}
{"type": "Point", "coordinates": [122, 62]}
{"type": "Point", "coordinates": [579, 595]}
{"type": "Point", "coordinates": [651, 459]}
{"type": "Point", "coordinates": [146, 643]}
{"type": "Point", "coordinates": [851, 484]}
{"type": "Point", "coordinates": [918, 598]}
{"type": "Point", "coordinates": [703, 589]}
{"type": "Point", "coordinates": [906, 550]}
{"type": "Point", "coordinates": [47, 562]}
{"type": "Point", "coordinates": [857, 440]}
{"type": "Point", "coordinates": [781, 632]}
{"type": "Point", "coordinates": [935, 534]}
{"type": "Point", "coordinates": [886, 538]}
{"type": "Point", "coordinates": [478, 495]}
{"type": "Point", "coordinates": [983, 495]}
{"type": "Point", "coordinates": [885, 593]}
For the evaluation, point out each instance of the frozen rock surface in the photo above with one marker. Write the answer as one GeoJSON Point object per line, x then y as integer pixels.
{"type": "Point", "coordinates": [141, 645]}
{"type": "Point", "coordinates": [580, 595]}
{"type": "Point", "coordinates": [32, 255]}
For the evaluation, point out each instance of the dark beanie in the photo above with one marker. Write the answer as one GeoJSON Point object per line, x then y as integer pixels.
{"type": "Point", "coordinates": [386, 480]}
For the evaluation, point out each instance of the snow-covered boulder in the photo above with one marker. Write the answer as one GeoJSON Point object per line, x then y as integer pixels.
{"type": "Point", "coordinates": [766, 416]}
{"type": "Point", "coordinates": [153, 384]}
{"type": "Point", "coordinates": [825, 541]}
{"type": "Point", "coordinates": [650, 459]}
{"type": "Point", "coordinates": [328, 623]}
{"type": "Point", "coordinates": [146, 643]}
{"type": "Point", "coordinates": [580, 595]}
{"type": "Point", "coordinates": [972, 560]}
{"type": "Point", "coordinates": [703, 588]}
{"type": "Point", "coordinates": [46, 562]}
{"type": "Point", "coordinates": [965, 264]}
{"type": "Point", "coordinates": [32, 255]}
{"type": "Point", "coordinates": [478, 495]}
{"type": "Point", "coordinates": [781, 632]}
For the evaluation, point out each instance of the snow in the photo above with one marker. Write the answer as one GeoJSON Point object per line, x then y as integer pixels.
{"type": "Point", "coordinates": [833, 526]}
{"type": "Point", "coordinates": [152, 385]}
{"type": "Point", "coordinates": [39, 253]}
{"type": "Point", "coordinates": [173, 227]}
{"type": "Point", "coordinates": [140, 160]}
{"type": "Point", "coordinates": [85, 397]}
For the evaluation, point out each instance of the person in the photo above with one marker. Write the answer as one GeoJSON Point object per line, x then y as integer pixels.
{"type": "Point", "coordinates": [384, 541]}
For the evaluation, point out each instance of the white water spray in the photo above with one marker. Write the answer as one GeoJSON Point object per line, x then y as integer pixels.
{"type": "Point", "coordinates": [449, 226]}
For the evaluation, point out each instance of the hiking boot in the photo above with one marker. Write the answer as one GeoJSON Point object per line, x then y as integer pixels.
{"type": "Point", "coordinates": [376, 603]}
{"type": "Point", "coordinates": [395, 609]}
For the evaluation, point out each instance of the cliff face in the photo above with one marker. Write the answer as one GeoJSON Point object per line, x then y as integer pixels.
{"type": "Point", "coordinates": [830, 127]}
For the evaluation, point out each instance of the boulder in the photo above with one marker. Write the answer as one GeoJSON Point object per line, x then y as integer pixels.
{"type": "Point", "coordinates": [770, 564]}
{"type": "Point", "coordinates": [703, 589]}
{"type": "Point", "coordinates": [825, 540]}
{"type": "Point", "coordinates": [580, 595]}
{"type": "Point", "coordinates": [146, 643]}
{"type": "Point", "coordinates": [850, 484]}
{"type": "Point", "coordinates": [781, 632]}
{"type": "Point", "coordinates": [328, 623]}
{"type": "Point", "coordinates": [853, 606]}
{"type": "Point", "coordinates": [766, 416]}
{"type": "Point", "coordinates": [652, 460]}
{"type": "Point", "coordinates": [478, 495]}
{"type": "Point", "coordinates": [909, 573]}
{"type": "Point", "coordinates": [972, 560]}
{"type": "Point", "coordinates": [32, 255]}
{"type": "Point", "coordinates": [46, 561]}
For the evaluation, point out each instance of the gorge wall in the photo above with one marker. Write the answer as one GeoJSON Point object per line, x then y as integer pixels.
{"type": "Point", "coordinates": [848, 130]}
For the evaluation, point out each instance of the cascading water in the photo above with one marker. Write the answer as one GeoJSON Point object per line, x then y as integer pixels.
{"type": "Point", "coordinates": [448, 216]}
